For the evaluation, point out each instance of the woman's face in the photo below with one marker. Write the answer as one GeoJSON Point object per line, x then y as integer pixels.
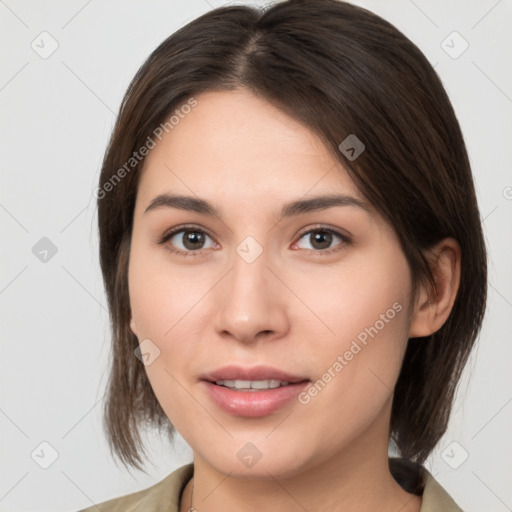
{"type": "Point", "coordinates": [320, 293]}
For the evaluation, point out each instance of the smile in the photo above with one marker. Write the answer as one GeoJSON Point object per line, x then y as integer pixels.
{"type": "Point", "coordinates": [251, 385]}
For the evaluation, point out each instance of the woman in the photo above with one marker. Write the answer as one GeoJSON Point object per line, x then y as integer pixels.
{"type": "Point", "coordinates": [294, 262]}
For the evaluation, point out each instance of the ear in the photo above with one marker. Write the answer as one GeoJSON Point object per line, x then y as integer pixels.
{"type": "Point", "coordinates": [432, 307]}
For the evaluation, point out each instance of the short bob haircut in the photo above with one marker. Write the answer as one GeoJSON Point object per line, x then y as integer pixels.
{"type": "Point", "coordinates": [339, 70]}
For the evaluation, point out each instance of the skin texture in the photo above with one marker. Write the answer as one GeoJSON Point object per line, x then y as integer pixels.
{"type": "Point", "coordinates": [296, 307]}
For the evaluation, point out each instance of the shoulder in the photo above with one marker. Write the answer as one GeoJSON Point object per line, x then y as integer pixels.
{"type": "Point", "coordinates": [435, 498]}
{"type": "Point", "coordinates": [166, 492]}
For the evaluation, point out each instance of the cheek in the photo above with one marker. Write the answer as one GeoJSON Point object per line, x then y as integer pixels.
{"type": "Point", "coordinates": [358, 358]}
{"type": "Point", "coordinates": [364, 292]}
{"type": "Point", "coordinates": [167, 303]}
{"type": "Point", "coordinates": [163, 297]}
{"type": "Point", "coordinates": [163, 307]}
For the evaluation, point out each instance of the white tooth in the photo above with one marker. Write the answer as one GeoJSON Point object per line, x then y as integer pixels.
{"type": "Point", "coordinates": [251, 384]}
{"type": "Point", "coordinates": [242, 384]}
{"type": "Point", "coordinates": [259, 384]}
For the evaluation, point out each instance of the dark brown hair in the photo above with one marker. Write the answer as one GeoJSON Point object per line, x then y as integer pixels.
{"type": "Point", "coordinates": [340, 70]}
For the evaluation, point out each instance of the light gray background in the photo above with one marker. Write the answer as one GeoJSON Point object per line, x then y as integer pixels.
{"type": "Point", "coordinates": [57, 115]}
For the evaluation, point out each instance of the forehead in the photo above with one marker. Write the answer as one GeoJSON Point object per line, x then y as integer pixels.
{"type": "Point", "coordinates": [234, 144]}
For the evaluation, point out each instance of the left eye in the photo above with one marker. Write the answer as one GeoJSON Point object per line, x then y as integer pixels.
{"type": "Point", "coordinates": [190, 239]}
{"type": "Point", "coordinates": [322, 238]}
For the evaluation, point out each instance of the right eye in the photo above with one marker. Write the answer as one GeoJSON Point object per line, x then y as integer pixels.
{"type": "Point", "coordinates": [188, 240]}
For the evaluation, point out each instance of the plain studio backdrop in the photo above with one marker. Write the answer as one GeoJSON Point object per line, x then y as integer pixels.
{"type": "Point", "coordinates": [64, 69]}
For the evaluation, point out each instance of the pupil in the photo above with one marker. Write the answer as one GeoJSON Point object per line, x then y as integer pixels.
{"type": "Point", "coordinates": [193, 239]}
{"type": "Point", "coordinates": [324, 238]}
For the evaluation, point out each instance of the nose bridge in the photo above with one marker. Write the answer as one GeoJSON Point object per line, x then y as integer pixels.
{"type": "Point", "coordinates": [249, 279]}
{"type": "Point", "coordinates": [248, 301]}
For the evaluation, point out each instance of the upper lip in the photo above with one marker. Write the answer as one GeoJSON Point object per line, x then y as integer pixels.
{"type": "Point", "coordinates": [254, 373]}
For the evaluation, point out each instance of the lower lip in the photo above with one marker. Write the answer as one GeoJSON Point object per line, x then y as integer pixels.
{"type": "Point", "coordinates": [253, 403]}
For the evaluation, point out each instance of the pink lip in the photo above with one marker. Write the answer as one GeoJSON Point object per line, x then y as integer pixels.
{"type": "Point", "coordinates": [252, 403]}
{"type": "Point", "coordinates": [255, 373]}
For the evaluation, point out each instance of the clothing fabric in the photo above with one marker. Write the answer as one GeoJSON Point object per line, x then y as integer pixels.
{"type": "Point", "coordinates": [165, 496]}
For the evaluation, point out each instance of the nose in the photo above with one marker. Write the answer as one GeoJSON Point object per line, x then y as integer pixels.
{"type": "Point", "coordinates": [251, 302]}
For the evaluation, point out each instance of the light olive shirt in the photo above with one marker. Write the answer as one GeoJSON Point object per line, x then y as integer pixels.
{"type": "Point", "coordinates": [165, 496]}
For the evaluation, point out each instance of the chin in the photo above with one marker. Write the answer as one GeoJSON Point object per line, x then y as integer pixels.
{"type": "Point", "coordinates": [260, 459]}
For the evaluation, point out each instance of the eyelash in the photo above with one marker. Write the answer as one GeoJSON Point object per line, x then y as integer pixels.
{"type": "Point", "coordinates": [169, 234]}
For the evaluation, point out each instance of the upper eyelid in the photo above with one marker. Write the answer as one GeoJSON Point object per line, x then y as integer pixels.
{"type": "Point", "coordinates": [186, 227]}
{"type": "Point", "coordinates": [323, 227]}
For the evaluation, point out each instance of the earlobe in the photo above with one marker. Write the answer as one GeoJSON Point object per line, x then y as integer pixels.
{"type": "Point", "coordinates": [433, 306]}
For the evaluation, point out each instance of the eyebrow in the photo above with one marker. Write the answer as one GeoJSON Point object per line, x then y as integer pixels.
{"type": "Point", "coordinates": [290, 209]}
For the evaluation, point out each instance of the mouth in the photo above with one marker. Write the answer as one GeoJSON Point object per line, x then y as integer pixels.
{"type": "Point", "coordinates": [252, 385]}
{"type": "Point", "coordinates": [252, 392]}
{"type": "Point", "coordinates": [261, 376]}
